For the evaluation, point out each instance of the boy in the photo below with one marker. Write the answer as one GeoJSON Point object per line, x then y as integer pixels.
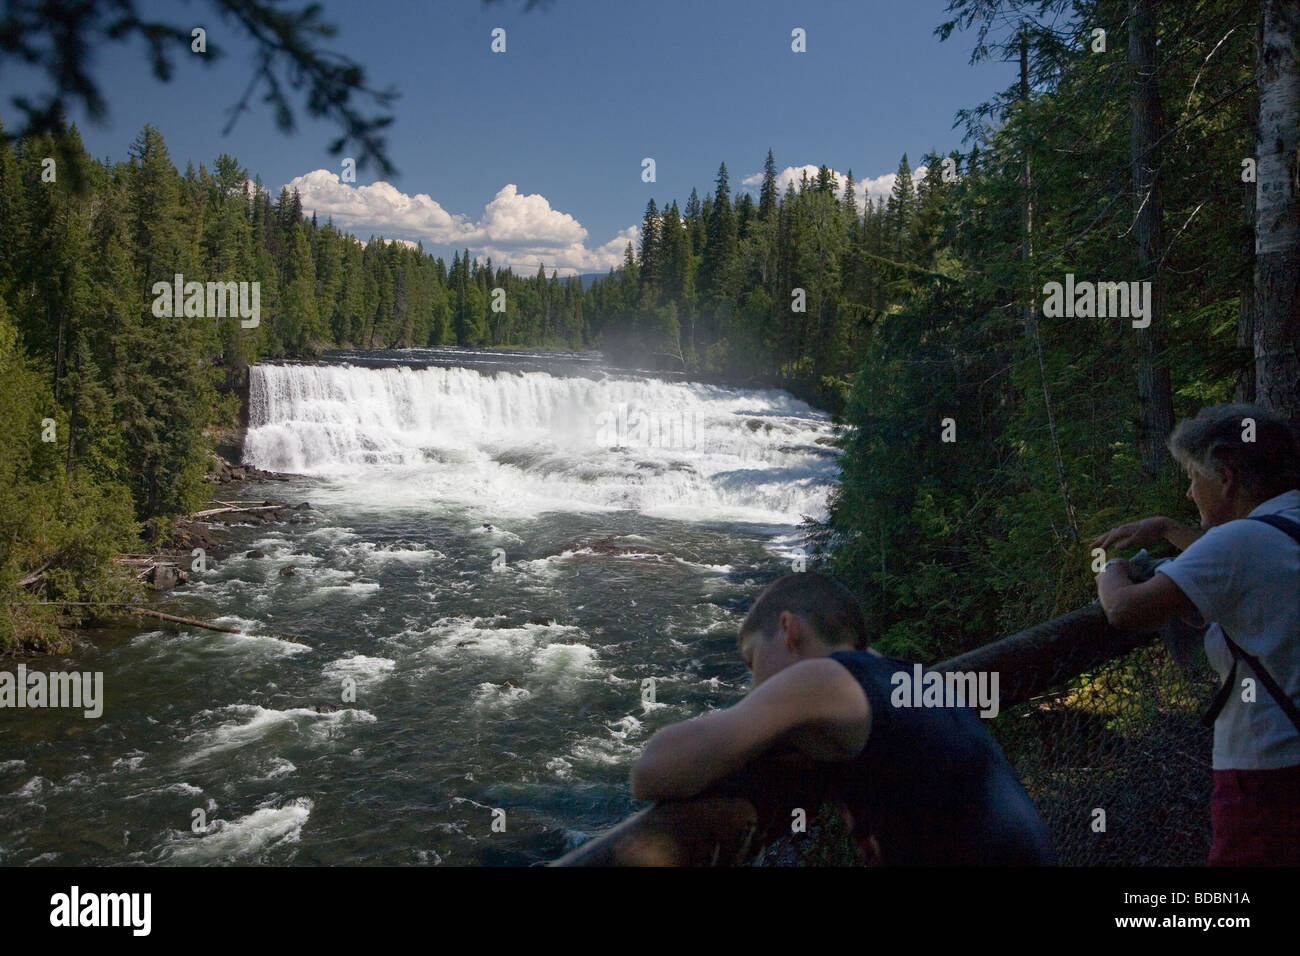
{"type": "Point", "coordinates": [925, 785]}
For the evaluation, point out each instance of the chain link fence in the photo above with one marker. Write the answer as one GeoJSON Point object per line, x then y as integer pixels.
{"type": "Point", "coordinates": [1118, 762]}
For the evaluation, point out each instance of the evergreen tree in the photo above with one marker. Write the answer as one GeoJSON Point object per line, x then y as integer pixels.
{"type": "Point", "coordinates": [898, 208]}
{"type": "Point", "coordinates": [650, 254]}
{"type": "Point", "coordinates": [720, 249]}
{"type": "Point", "coordinates": [767, 197]}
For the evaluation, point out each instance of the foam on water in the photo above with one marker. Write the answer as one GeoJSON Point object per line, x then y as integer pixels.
{"type": "Point", "coordinates": [228, 841]}
{"type": "Point", "coordinates": [498, 697]}
{"type": "Point", "coordinates": [477, 637]}
{"type": "Point", "coordinates": [261, 722]}
{"type": "Point", "coordinates": [277, 767]}
{"type": "Point", "coordinates": [521, 443]}
{"type": "Point", "coordinates": [364, 670]}
{"type": "Point", "coordinates": [562, 664]}
{"type": "Point", "coordinates": [31, 788]}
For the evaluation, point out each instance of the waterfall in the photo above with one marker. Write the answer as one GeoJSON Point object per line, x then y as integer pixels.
{"type": "Point", "coordinates": [533, 441]}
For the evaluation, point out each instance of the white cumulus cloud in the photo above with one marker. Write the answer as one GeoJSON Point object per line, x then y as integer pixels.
{"type": "Point", "coordinates": [516, 229]}
{"type": "Point", "coordinates": [878, 188]}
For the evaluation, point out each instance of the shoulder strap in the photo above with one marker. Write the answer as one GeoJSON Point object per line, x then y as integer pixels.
{"type": "Point", "coordinates": [1221, 695]}
{"type": "Point", "coordinates": [1284, 525]}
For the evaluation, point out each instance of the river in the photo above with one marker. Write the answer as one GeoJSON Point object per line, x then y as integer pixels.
{"type": "Point", "coordinates": [505, 558]}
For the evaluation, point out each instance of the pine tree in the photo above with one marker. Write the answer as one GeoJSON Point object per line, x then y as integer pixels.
{"type": "Point", "coordinates": [298, 316]}
{"type": "Point", "coordinates": [850, 200]}
{"type": "Point", "coordinates": [719, 253]}
{"type": "Point", "coordinates": [675, 258]}
{"type": "Point", "coordinates": [694, 218]}
{"type": "Point", "coordinates": [167, 393]}
{"type": "Point", "coordinates": [898, 208]}
{"type": "Point", "coordinates": [767, 198]}
{"type": "Point", "coordinates": [13, 217]}
{"type": "Point", "coordinates": [649, 258]}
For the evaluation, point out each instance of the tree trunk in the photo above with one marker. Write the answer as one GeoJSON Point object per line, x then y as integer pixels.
{"type": "Point", "coordinates": [1245, 390]}
{"type": "Point", "coordinates": [1030, 314]}
{"type": "Point", "coordinates": [58, 354]}
{"type": "Point", "coordinates": [1277, 212]}
{"type": "Point", "coordinates": [72, 414]}
{"type": "Point", "coordinates": [1155, 397]}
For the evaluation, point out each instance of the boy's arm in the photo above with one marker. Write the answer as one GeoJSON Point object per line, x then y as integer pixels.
{"type": "Point", "coordinates": [818, 703]}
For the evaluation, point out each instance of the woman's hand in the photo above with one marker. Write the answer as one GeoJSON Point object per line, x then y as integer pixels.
{"type": "Point", "coordinates": [1122, 565]}
{"type": "Point", "coordinates": [1135, 534]}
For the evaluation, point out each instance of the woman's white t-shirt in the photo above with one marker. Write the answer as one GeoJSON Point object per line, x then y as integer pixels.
{"type": "Point", "coordinates": [1244, 577]}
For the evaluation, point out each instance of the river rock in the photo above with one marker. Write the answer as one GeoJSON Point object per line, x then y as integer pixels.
{"type": "Point", "coordinates": [166, 576]}
{"type": "Point", "coordinates": [255, 553]}
{"type": "Point", "coordinates": [221, 471]}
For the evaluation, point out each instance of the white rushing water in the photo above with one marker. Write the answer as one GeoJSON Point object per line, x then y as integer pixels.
{"type": "Point", "coordinates": [527, 442]}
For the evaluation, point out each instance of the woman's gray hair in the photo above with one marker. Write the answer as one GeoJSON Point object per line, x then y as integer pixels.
{"type": "Point", "coordinates": [1260, 447]}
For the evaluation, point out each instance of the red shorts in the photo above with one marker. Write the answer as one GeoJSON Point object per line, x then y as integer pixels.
{"type": "Point", "coordinates": [1255, 815]}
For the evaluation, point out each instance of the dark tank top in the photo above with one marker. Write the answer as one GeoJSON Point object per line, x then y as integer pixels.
{"type": "Point", "coordinates": [932, 786]}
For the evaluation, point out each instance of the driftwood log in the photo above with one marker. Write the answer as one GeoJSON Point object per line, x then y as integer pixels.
{"type": "Point", "coordinates": [228, 509]}
{"type": "Point", "coordinates": [728, 824]}
{"type": "Point", "coordinates": [36, 576]}
{"type": "Point", "coordinates": [208, 625]}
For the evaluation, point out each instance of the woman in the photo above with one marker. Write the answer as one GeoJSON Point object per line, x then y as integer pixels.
{"type": "Point", "coordinates": [1241, 574]}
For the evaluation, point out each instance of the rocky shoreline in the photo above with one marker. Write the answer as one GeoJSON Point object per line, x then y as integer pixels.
{"type": "Point", "coordinates": [170, 565]}
{"type": "Point", "coordinates": [222, 472]}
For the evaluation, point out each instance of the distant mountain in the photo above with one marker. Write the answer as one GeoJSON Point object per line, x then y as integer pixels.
{"type": "Point", "coordinates": [589, 277]}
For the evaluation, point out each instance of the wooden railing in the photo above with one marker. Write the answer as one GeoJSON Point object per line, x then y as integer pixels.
{"type": "Point", "coordinates": [730, 823]}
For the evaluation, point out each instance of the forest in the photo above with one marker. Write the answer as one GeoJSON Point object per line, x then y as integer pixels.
{"type": "Point", "coordinates": [985, 440]}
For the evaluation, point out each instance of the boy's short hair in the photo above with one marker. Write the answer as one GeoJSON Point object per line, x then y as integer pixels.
{"type": "Point", "coordinates": [829, 606]}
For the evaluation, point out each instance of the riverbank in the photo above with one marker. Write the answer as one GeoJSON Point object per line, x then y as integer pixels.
{"type": "Point", "coordinates": [180, 547]}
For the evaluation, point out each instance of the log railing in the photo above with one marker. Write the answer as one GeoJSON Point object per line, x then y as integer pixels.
{"type": "Point", "coordinates": [730, 823]}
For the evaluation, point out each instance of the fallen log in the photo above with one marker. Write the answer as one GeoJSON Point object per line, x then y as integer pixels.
{"type": "Point", "coordinates": [36, 576]}
{"type": "Point", "coordinates": [195, 622]}
{"type": "Point", "coordinates": [704, 830]}
{"type": "Point", "coordinates": [220, 511]}
{"type": "Point", "coordinates": [177, 619]}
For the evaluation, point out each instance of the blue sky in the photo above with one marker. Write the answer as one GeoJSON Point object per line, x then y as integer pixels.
{"type": "Point", "coordinates": [535, 154]}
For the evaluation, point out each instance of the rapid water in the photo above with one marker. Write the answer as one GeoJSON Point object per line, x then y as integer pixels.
{"type": "Point", "coordinates": [495, 560]}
